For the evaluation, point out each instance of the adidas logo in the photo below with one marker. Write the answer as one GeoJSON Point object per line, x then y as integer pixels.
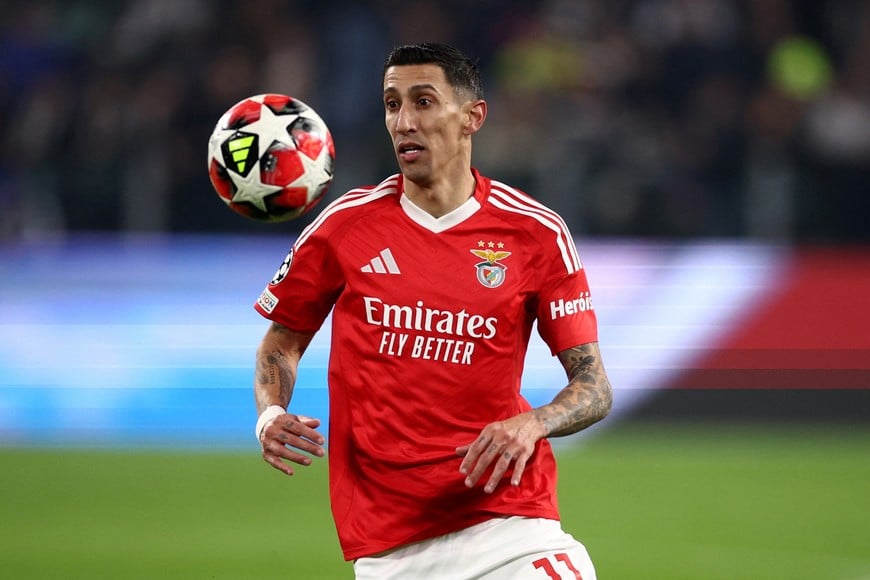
{"type": "Point", "coordinates": [383, 263]}
{"type": "Point", "coordinates": [239, 149]}
{"type": "Point", "coordinates": [240, 152]}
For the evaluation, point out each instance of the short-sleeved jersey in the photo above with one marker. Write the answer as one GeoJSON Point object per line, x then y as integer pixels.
{"type": "Point", "coordinates": [430, 326]}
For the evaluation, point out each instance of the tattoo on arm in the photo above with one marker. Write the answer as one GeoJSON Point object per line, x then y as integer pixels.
{"type": "Point", "coordinates": [586, 399]}
{"type": "Point", "coordinates": [275, 373]}
{"type": "Point", "coordinates": [275, 376]}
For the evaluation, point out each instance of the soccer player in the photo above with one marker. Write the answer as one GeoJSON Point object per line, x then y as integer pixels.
{"type": "Point", "coordinates": [438, 467]}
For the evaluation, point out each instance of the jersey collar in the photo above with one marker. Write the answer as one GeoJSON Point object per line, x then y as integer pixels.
{"type": "Point", "coordinates": [455, 217]}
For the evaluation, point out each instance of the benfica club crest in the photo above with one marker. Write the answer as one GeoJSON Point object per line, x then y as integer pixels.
{"type": "Point", "coordinates": [490, 272]}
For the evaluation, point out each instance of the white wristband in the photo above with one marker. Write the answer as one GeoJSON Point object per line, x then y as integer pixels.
{"type": "Point", "coordinates": [270, 413]}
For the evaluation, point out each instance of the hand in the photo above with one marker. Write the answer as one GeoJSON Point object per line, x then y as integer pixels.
{"type": "Point", "coordinates": [507, 442]}
{"type": "Point", "coordinates": [285, 436]}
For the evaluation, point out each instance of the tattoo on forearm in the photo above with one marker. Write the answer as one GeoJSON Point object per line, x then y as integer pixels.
{"type": "Point", "coordinates": [272, 370]}
{"type": "Point", "coordinates": [585, 400]}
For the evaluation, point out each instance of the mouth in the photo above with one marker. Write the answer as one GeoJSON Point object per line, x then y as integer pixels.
{"type": "Point", "coordinates": [409, 151]}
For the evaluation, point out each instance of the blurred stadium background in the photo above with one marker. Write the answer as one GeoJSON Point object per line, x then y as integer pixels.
{"type": "Point", "coordinates": [712, 158]}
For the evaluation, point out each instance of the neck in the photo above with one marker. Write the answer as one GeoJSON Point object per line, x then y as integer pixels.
{"type": "Point", "coordinates": [440, 198]}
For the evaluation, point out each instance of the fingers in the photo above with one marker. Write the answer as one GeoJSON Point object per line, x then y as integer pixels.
{"type": "Point", "coordinates": [275, 461]}
{"type": "Point", "coordinates": [295, 429]}
{"type": "Point", "coordinates": [470, 455]}
{"type": "Point", "coordinates": [288, 438]}
{"type": "Point", "coordinates": [478, 457]}
{"type": "Point", "coordinates": [500, 446]}
{"type": "Point", "coordinates": [486, 452]}
{"type": "Point", "coordinates": [311, 422]}
{"type": "Point", "coordinates": [494, 455]}
{"type": "Point", "coordinates": [501, 466]}
{"type": "Point", "coordinates": [519, 468]}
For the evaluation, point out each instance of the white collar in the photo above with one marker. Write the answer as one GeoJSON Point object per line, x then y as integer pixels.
{"type": "Point", "coordinates": [447, 221]}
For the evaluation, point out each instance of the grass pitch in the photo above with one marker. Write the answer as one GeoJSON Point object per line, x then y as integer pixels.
{"type": "Point", "coordinates": [682, 502]}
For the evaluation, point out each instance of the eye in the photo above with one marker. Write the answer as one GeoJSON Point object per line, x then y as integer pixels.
{"type": "Point", "coordinates": [391, 104]}
{"type": "Point", "coordinates": [424, 101]}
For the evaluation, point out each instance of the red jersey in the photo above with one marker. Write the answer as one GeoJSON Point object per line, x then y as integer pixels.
{"type": "Point", "coordinates": [431, 321]}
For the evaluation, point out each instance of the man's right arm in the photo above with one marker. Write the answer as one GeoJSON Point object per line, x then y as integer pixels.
{"type": "Point", "coordinates": [283, 436]}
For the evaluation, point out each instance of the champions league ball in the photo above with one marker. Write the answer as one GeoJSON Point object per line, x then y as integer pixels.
{"type": "Point", "coordinates": [271, 158]}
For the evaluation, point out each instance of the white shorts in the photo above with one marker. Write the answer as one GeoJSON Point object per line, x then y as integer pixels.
{"type": "Point", "coordinates": [501, 548]}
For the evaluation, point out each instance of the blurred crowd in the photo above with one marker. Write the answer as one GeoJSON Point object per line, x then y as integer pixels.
{"type": "Point", "coordinates": [643, 118]}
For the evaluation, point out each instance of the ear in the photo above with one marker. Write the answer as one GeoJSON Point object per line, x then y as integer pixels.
{"type": "Point", "coordinates": [475, 115]}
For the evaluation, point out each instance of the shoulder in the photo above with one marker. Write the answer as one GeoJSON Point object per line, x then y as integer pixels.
{"type": "Point", "coordinates": [541, 223]}
{"type": "Point", "coordinates": [360, 198]}
{"type": "Point", "coordinates": [519, 206]}
{"type": "Point", "coordinates": [350, 207]}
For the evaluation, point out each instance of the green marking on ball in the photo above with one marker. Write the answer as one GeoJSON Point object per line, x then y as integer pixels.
{"type": "Point", "coordinates": [239, 148]}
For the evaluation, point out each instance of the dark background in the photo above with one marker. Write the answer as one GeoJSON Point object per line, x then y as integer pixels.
{"type": "Point", "coordinates": [655, 119]}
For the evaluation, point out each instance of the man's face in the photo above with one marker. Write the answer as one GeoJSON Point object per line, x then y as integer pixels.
{"type": "Point", "coordinates": [425, 118]}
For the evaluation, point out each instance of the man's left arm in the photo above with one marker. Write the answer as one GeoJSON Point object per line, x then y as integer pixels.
{"type": "Point", "coordinates": [585, 400]}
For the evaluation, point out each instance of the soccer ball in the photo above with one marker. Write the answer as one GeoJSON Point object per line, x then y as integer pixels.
{"type": "Point", "coordinates": [271, 158]}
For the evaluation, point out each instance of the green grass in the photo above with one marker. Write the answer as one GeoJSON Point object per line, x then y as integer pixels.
{"type": "Point", "coordinates": [689, 502]}
{"type": "Point", "coordinates": [722, 502]}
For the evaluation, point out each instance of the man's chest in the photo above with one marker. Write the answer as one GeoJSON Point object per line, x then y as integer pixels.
{"type": "Point", "coordinates": [483, 269]}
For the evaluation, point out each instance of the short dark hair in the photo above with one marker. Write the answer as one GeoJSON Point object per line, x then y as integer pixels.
{"type": "Point", "coordinates": [462, 73]}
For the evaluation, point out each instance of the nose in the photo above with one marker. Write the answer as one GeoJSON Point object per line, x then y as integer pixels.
{"type": "Point", "coordinates": [405, 122]}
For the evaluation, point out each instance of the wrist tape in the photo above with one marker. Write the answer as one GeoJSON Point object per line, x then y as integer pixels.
{"type": "Point", "coordinates": [270, 413]}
